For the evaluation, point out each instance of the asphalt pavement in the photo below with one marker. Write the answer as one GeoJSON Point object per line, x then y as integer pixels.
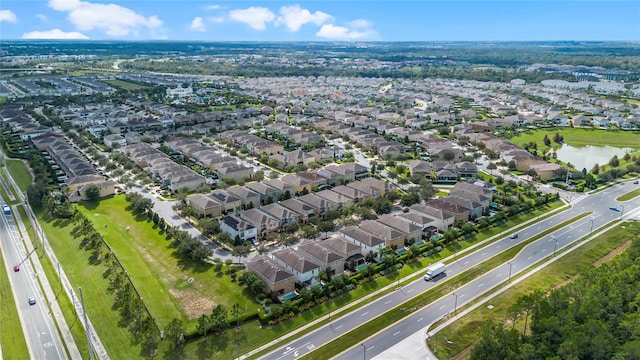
{"type": "Point", "coordinates": [41, 335]}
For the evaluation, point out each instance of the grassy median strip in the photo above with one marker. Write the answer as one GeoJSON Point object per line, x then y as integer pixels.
{"type": "Point", "coordinates": [410, 306]}
{"type": "Point", "coordinates": [464, 332]}
{"type": "Point", "coordinates": [628, 196]}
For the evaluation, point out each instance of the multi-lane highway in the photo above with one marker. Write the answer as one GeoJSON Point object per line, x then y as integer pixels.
{"type": "Point", "coordinates": [37, 325]}
{"type": "Point", "coordinates": [598, 204]}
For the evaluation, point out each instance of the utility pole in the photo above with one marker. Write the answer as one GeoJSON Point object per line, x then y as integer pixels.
{"type": "Point", "coordinates": [510, 271]}
{"type": "Point", "coordinates": [86, 324]}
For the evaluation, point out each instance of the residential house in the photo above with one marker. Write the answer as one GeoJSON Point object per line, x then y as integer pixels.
{"type": "Point", "coordinates": [393, 238]}
{"type": "Point", "coordinates": [239, 228]}
{"type": "Point", "coordinates": [305, 271]}
{"type": "Point", "coordinates": [413, 233]}
{"type": "Point", "coordinates": [356, 196]}
{"type": "Point", "coordinates": [205, 205]}
{"type": "Point", "coordinates": [443, 218]}
{"type": "Point", "coordinates": [267, 193]}
{"type": "Point", "coordinates": [300, 184]}
{"type": "Point", "coordinates": [339, 200]}
{"type": "Point", "coordinates": [320, 205]}
{"type": "Point", "coordinates": [304, 210]}
{"type": "Point", "coordinates": [228, 201]}
{"type": "Point", "coordinates": [248, 198]}
{"type": "Point", "coordinates": [284, 215]}
{"type": "Point", "coordinates": [461, 213]}
{"type": "Point", "coordinates": [78, 186]}
{"type": "Point", "coordinates": [476, 208]}
{"type": "Point", "coordinates": [368, 242]}
{"type": "Point", "coordinates": [263, 222]}
{"type": "Point", "coordinates": [328, 259]}
{"type": "Point", "coordinates": [276, 279]}
{"type": "Point", "coordinates": [114, 140]}
{"type": "Point", "coordinates": [381, 186]}
{"type": "Point", "coordinates": [345, 248]}
{"type": "Point", "coordinates": [285, 190]}
{"type": "Point", "coordinates": [317, 181]}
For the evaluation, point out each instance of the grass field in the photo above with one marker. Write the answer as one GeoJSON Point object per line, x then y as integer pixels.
{"type": "Point", "coordinates": [464, 332]}
{"type": "Point", "coordinates": [11, 337]}
{"type": "Point", "coordinates": [19, 173]}
{"type": "Point", "coordinates": [580, 137]}
{"type": "Point", "coordinates": [126, 85]}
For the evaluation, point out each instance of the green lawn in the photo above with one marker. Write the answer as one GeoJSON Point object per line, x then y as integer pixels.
{"type": "Point", "coordinates": [580, 137]}
{"type": "Point", "coordinates": [11, 337]}
{"type": "Point", "coordinates": [98, 303]}
{"type": "Point", "coordinates": [19, 173]}
{"type": "Point", "coordinates": [162, 279]}
{"type": "Point", "coordinates": [464, 332]}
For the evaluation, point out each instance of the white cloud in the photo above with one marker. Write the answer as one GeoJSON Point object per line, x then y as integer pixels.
{"type": "Point", "coordinates": [360, 24]}
{"type": "Point", "coordinates": [293, 17]}
{"type": "Point", "coordinates": [255, 17]}
{"type": "Point", "coordinates": [114, 19]}
{"type": "Point", "coordinates": [197, 24]}
{"type": "Point", "coordinates": [8, 15]}
{"type": "Point", "coordinates": [330, 31]}
{"type": "Point", "coordinates": [213, 7]}
{"type": "Point", "coordinates": [42, 17]}
{"type": "Point", "coordinates": [215, 19]}
{"type": "Point", "coordinates": [54, 34]}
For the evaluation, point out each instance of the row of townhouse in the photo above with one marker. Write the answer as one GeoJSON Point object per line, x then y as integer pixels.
{"type": "Point", "coordinates": [225, 167]}
{"type": "Point", "coordinates": [72, 169]}
{"type": "Point", "coordinates": [169, 173]}
{"type": "Point", "coordinates": [273, 216]}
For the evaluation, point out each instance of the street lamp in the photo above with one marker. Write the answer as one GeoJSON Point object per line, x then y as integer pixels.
{"type": "Point", "coordinates": [621, 211]}
{"type": "Point", "coordinates": [555, 245]}
{"type": "Point", "coordinates": [455, 304]}
{"type": "Point", "coordinates": [510, 272]}
{"type": "Point", "coordinates": [591, 228]}
{"type": "Point", "coordinates": [364, 351]}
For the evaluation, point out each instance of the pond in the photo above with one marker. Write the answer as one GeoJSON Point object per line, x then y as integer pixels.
{"type": "Point", "coordinates": [588, 155]}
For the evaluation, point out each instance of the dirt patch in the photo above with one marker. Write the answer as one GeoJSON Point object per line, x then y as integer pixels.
{"type": "Point", "coordinates": [612, 254]}
{"type": "Point", "coordinates": [192, 302]}
{"type": "Point", "coordinates": [565, 282]}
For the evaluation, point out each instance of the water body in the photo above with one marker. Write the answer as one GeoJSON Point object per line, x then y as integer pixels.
{"type": "Point", "coordinates": [588, 155]}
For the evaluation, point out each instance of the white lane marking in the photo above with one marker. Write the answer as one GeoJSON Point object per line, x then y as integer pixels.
{"type": "Point", "coordinates": [420, 319]}
{"type": "Point", "coordinates": [410, 290]}
{"type": "Point", "coordinates": [396, 333]}
{"type": "Point", "coordinates": [388, 302]}
{"type": "Point", "coordinates": [481, 285]}
{"type": "Point", "coordinates": [338, 327]}
{"type": "Point", "coordinates": [482, 254]}
{"type": "Point", "coordinates": [466, 262]}
{"type": "Point", "coordinates": [441, 307]}
{"type": "Point", "coordinates": [365, 313]}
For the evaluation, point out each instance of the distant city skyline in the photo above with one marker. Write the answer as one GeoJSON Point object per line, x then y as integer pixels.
{"type": "Point", "coordinates": [321, 20]}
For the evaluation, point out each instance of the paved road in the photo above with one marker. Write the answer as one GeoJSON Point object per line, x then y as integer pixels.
{"type": "Point", "coordinates": [40, 333]}
{"type": "Point", "coordinates": [598, 203]}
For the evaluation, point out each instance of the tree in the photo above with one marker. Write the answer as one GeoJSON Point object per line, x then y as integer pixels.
{"type": "Point", "coordinates": [240, 251]}
{"type": "Point", "coordinates": [92, 192]}
{"type": "Point", "coordinates": [174, 332]}
{"type": "Point", "coordinates": [219, 320]}
{"type": "Point", "coordinates": [204, 324]}
{"type": "Point", "coordinates": [286, 239]}
{"type": "Point", "coordinates": [326, 226]}
{"type": "Point", "coordinates": [209, 226]}
{"type": "Point", "coordinates": [309, 232]}
{"type": "Point", "coordinates": [382, 206]}
{"type": "Point", "coordinates": [236, 311]}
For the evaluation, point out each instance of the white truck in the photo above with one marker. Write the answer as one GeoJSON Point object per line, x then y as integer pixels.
{"type": "Point", "coordinates": [434, 270]}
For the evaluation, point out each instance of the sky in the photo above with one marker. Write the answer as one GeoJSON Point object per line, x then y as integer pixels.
{"type": "Point", "coordinates": [328, 20]}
